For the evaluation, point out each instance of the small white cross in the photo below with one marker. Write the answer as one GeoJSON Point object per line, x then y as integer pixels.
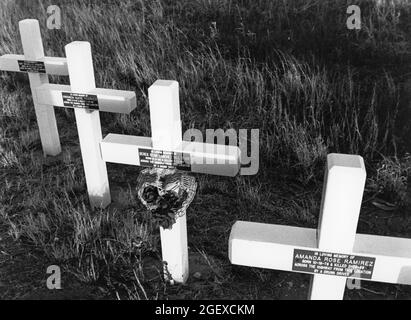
{"type": "Point", "coordinates": [167, 136]}
{"type": "Point", "coordinates": [87, 102]}
{"type": "Point", "coordinates": [335, 250]}
{"type": "Point", "coordinates": [38, 68]}
{"type": "Point", "coordinates": [79, 67]}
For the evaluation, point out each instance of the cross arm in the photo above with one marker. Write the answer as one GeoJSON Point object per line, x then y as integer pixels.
{"type": "Point", "coordinates": [272, 246]}
{"type": "Point", "coordinates": [117, 101]}
{"type": "Point", "coordinates": [204, 158]}
{"type": "Point", "coordinates": [53, 65]}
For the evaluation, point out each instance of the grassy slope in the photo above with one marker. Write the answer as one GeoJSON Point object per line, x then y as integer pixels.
{"type": "Point", "coordinates": [288, 68]}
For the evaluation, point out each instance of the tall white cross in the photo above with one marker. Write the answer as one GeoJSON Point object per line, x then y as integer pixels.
{"type": "Point", "coordinates": [335, 251]}
{"type": "Point", "coordinates": [38, 68]}
{"type": "Point", "coordinates": [161, 150]}
{"type": "Point", "coordinates": [87, 101]}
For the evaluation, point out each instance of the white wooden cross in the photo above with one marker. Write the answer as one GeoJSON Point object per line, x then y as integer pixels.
{"type": "Point", "coordinates": [38, 67]}
{"type": "Point", "coordinates": [167, 136]}
{"type": "Point", "coordinates": [87, 102]}
{"type": "Point", "coordinates": [335, 251]}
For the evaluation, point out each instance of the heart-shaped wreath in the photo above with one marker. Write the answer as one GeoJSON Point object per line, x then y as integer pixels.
{"type": "Point", "coordinates": [166, 194]}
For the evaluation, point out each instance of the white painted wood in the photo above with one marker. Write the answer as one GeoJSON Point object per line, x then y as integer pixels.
{"type": "Point", "coordinates": [341, 203]}
{"type": "Point", "coordinates": [46, 119]}
{"type": "Point", "coordinates": [119, 148]}
{"type": "Point", "coordinates": [123, 149]}
{"type": "Point", "coordinates": [117, 101]}
{"type": "Point", "coordinates": [174, 251]}
{"type": "Point", "coordinates": [272, 246]}
{"type": "Point", "coordinates": [54, 65]}
{"type": "Point", "coordinates": [81, 73]}
{"type": "Point", "coordinates": [340, 209]}
{"type": "Point", "coordinates": [165, 119]}
{"type": "Point", "coordinates": [166, 135]}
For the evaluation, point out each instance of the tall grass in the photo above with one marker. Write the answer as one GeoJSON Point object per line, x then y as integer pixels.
{"type": "Point", "coordinates": [247, 75]}
{"type": "Point", "coordinates": [289, 68]}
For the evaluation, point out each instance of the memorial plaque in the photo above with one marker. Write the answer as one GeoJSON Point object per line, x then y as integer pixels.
{"type": "Point", "coordinates": [334, 264]}
{"type": "Point", "coordinates": [32, 66]}
{"type": "Point", "coordinates": [80, 100]}
{"type": "Point", "coordinates": [164, 159]}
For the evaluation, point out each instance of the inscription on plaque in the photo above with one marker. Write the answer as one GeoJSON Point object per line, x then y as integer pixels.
{"type": "Point", "coordinates": [80, 100]}
{"type": "Point", "coordinates": [334, 264]}
{"type": "Point", "coordinates": [164, 159]}
{"type": "Point", "coordinates": [32, 66]}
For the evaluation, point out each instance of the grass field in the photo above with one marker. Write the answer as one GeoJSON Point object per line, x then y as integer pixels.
{"type": "Point", "coordinates": [291, 69]}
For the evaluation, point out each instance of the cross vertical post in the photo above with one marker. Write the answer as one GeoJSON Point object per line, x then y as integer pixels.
{"type": "Point", "coordinates": [167, 135]}
{"type": "Point", "coordinates": [46, 119]}
{"type": "Point", "coordinates": [340, 209]}
{"type": "Point", "coordinates": [81, 73]}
